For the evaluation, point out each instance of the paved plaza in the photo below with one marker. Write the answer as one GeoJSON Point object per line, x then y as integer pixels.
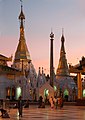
{"type": "Point", "coordinates": [35, 113]}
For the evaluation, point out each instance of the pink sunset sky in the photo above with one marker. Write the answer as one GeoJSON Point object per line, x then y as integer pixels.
{"type": "Point", "coordinates": [41, 16]}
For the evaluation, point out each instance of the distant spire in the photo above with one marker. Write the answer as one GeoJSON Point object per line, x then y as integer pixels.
{"type": "Point", "coordinates": [22, 21]}
{"type": "Point", "coordinates": [21, 16]}
{"type": "Point", "coordinates": [21, 1]}
{"type": "Point", "coordinates": [42, 71]}
{"type": "Point", "coordinates": [62, 38]}
{"type": "Point", "coordinates": [21, 4]}
{"type": "Point", "coordinates": [62, 69]}
{"type": "Point", "coordinates": [39, 70]}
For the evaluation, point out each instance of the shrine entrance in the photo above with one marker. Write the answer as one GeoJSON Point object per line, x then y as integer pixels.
{"type": "Point", "coordinates": [66, 95]}
{"type": "Point", "coordinates": [46, 95]}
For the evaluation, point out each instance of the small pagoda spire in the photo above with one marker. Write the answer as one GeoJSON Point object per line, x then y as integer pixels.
{"type": "Point", "coordinates": [42, 71]}
{"type": "Point", "coordinates": [21, 16]}
{"type": "Point", "coordinates": [62, 69]}
{"type": "Point", "coordinates": [22, 21]}
{"type": "Point", "coordinates": [62, 42]}
{"type": "Point", "coordinates": [39, 71]}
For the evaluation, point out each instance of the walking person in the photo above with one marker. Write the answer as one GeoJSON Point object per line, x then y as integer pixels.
{"type": "Point", "coordinates": [61, 102]}
{"type": "Point", "coordinates": [40, 101]}
{"type": "Point", "coordinates": [20, 106]}
{"type": "Point", "coordinates": [51, 102]}
{"type": "Point", "coordinates": [55, 102]}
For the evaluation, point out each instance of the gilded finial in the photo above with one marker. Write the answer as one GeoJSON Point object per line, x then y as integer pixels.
{"type": "Point", "coordinates": [62, 38]}
{"type": "Point", "coordinates": [21, 16]}
{"type": "Point", "coordinates": [21, 1]}
{"type": "Point", "coordinates": [21, 4]}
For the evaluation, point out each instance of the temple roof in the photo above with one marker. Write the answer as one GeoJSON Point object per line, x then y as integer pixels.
{"type": "Point", "coordinates": [2, 57]}
{"type": "Point", "coordinates": [22, 52]}
{"type": "Point", "coordinates": [80, 67]}
{"type": "Point", "coordinates": [9, 70]}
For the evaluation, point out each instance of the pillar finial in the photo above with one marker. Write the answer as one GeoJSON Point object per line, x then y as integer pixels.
{"type": "Point", "coordinates": [51, 35]}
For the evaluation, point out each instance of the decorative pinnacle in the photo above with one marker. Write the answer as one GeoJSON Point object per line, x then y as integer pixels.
{"type": "Point", "coordinates": [62, 38]}
{"type": "Point", "coordinates": [21, 2]}
{"type": "Point", "coordinates": [21, 16]}
{"type": "Point", "coordinates": [51, 35]}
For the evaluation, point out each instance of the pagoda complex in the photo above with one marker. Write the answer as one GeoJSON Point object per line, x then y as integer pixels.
{"type": "Point", "coordinates": [21, 79]}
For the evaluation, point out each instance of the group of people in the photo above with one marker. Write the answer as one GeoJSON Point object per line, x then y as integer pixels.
{"type": "Point", "coordinates": [56, 102]}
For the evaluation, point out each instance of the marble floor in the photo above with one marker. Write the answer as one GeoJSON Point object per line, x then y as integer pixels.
{"type": "Point", "coordinates": [35, 113]}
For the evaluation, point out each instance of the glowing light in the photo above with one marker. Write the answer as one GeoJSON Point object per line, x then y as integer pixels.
{"type": "Point", "coordinates": [28, 81]}
{"type": "Point", "coordinates": [18, 92]}
{"type": "Point", "coordinates": [66, 92]}
{"type": "Point", "coordinates": [55, 88]}
{"type": "Point", "coordinates": [46, 92]}
{"type": "Point", "coordinates": [84, 93]}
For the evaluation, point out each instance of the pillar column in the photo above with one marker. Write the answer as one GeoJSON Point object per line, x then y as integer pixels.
{"type": "Point", "coordinates": [79, 83]}
{"type": "Point", "coordinates": [51, 60]}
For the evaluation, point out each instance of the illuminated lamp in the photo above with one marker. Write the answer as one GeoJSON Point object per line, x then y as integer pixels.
{"type": "Point", "coordinates": [18, 92]}
{"type": "Point", "coordinates": [84, 93]}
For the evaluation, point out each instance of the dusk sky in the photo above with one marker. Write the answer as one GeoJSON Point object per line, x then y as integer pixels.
{"type": "Point", "coordinates": [40, 17]}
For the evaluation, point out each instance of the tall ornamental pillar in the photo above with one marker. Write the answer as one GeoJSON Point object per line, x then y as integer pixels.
{"type": "Point", "coordinates": [51, 59]}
